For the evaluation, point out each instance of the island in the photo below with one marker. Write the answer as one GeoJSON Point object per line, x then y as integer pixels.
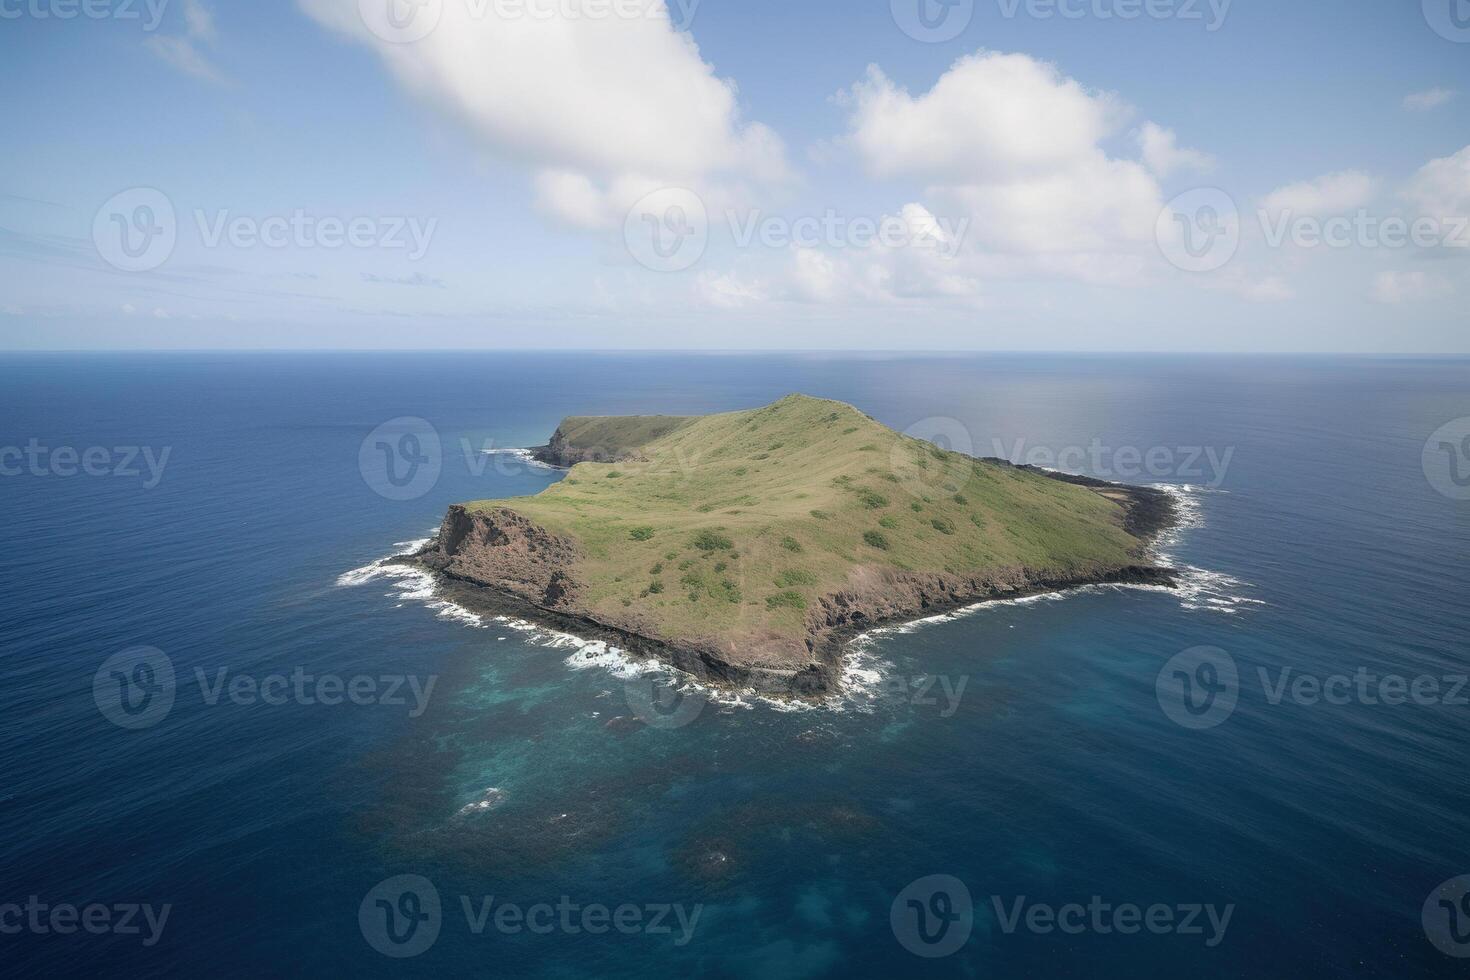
{"type": "Point", "coordinates": [747, 548]}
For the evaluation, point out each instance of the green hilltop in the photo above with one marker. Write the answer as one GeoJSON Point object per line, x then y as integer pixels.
{"type": "Point", "coordinates": [732, 529]}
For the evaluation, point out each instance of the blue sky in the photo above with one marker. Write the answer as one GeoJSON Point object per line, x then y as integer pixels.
{"type": "Point", "coordinates": [1041, 180]}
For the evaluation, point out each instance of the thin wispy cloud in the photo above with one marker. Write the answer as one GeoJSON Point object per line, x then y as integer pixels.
{"type": "Point", "coordinates": [1431, 99]}
{"type": "Point", "coordinates": [417, 279]}
{"type": "Point", "coordinates": [185, 52]}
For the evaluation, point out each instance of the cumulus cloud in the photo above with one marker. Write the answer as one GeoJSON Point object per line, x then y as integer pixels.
{"type": "Point", "coordinates": [603, 109]}
{"type": "Point", "coordinates": [1441, 188]}
{"type": "Point", "coordinates": [1329, 194]}
{"type": "Point", "coordinates": [1015, 146]}
{"type": "Point", "coordinates": [1431, 99]}
{"type": "Point", "coordinates": [988, 118]}
{"type": "Point", "coordinates": [920, 264]}
{"type": "Point", "coordinates": [1163, 155]}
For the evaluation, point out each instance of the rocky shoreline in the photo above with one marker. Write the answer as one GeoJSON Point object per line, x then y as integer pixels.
{"type": "Point", "coordinates": [499, 562]}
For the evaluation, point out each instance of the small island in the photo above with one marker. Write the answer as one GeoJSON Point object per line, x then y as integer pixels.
{"type": "Point", "coordinates": [747, 548]}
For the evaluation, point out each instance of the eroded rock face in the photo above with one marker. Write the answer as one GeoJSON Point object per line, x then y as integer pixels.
{"type": "Point", "coordinates": [502, 550]}
{"type": "Point", "coordinates": [566, 453]}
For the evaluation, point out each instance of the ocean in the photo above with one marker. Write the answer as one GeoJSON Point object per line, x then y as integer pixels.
{"type": "Point", "coordinates": [237, 743]}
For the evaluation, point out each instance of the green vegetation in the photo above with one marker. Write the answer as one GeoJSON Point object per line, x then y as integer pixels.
{"type": "Point", "coordinates": [712, 541]}
{"type": "Point", "coordinates": [761, 513]}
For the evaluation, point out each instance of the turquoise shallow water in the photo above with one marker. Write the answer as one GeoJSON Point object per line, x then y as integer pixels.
{"type": "Point", "coordinates": [1022, 750]}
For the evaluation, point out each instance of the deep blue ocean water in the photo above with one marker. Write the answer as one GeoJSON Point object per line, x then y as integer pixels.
{"type": "Point", "coordinates": [1056, 774]}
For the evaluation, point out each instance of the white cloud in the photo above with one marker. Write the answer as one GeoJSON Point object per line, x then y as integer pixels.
{"type": "Point", "coordinates": [1441, 188]}
{"type": "Point", "coordinates": [1431, 99]}
{"type": "Point", "coordinates": [1329, 194]}
{"type": "Point", "coordinates": [727, 290]}
{"type": "Point", "coordinates": [1015, 146]}
{"type": "Point", "coordinates": [1271, 289]}
{"type": "Point", "coordinates": [989, 117]}
{"type": "Point", "coordinates": [183, 51]}
{"type": "Point", "coordinates": [1163, 155]}
{"type": "Point", "coordinates": [603, 109]}
{"type": "Point", "coordinates": [1405, 287]}
{"type": "Point", "coordinates": [922, 267]}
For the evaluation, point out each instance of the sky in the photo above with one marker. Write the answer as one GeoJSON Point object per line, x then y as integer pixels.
{"type": "Point", "coordinates": [1070, 175]}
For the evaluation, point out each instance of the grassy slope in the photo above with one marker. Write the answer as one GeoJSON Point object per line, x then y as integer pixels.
{"type": "Point", "coordinates": [737, 522]}
{"type": "Point", "coordinates": [615, 435]}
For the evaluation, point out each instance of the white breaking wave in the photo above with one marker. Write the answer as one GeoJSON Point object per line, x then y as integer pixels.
{"type": "Point", "coordinates": [524, 455]}
{"type": "Point", "coordinates": [1199, 588]}
{"type": "Point", "coordinates": [410, 584]}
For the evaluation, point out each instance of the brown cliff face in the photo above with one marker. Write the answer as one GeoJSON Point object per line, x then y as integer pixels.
{"type": "Point", "coordinates": [502, 550]}
{"type": "Point", "coordinates": [520, 568]}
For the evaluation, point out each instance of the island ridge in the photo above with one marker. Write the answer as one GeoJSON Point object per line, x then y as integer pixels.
{"type": "Point", "coordinates": [745, 548]}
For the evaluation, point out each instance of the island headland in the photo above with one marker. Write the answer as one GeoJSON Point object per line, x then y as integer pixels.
{"type": "Point", "coordinates": [748, 548]}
